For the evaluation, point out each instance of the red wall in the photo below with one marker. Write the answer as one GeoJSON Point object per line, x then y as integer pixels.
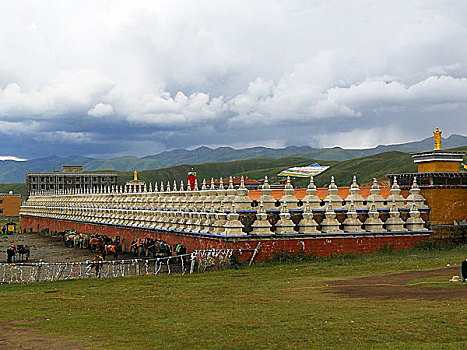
{"type": "Point", "coordinates": [321, 246]}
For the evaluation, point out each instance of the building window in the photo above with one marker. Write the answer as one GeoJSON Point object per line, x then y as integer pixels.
{"type": "Point", "coordinates": [1, 210]}
{"type": "Point", "coordinates": [1, 201]}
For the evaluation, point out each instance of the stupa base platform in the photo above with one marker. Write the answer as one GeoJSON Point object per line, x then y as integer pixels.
{"type": "Point", "coordinates": [319, 244]}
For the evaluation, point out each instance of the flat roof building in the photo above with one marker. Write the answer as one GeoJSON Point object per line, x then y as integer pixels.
{"type": "Point", "coordinates": [72, 177]}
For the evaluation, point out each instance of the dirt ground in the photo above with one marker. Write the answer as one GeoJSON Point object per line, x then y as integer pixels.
{"type": "Point", "coordinates": [46, 248]}
{"type": "Point", "coordinates": [15, 336]}
{"type": "Point", "coordinates": [393, 286]}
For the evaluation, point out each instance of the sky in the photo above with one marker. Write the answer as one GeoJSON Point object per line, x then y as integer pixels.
{"type": "Point", "coordinates": [109, 78]}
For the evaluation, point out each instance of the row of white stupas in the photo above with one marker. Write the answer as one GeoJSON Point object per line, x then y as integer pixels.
{"type": "Point", "coordinates": [218, 210]}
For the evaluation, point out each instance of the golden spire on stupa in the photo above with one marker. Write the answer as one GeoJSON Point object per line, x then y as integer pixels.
{"type": "Point", "coordinates": [437, 137]}
{"type": "Point", "coordinates": [135, 175]}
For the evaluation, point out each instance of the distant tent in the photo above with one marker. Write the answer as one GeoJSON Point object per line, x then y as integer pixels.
{"type": "Point", "coordinates": [307, 171]}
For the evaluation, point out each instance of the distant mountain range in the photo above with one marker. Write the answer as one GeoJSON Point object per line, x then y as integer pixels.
{"type": "Point", "coordinates": [14, 171]}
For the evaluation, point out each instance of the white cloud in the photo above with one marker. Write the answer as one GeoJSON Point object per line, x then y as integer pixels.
{"type": "Point", "coordinates": [101, 110]}
{"type": "Point", "coordinates": [218, 67]}
{"type": "Point", "coordinates": [66, 92]}
{"type": "Point", "coordinates": [16, 159]}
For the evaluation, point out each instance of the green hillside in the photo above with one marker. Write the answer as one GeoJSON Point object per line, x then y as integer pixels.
{"type": "Point", "coordinates": [366, 168]}
{"type": "Point", "coordinates": [16, 188]}
{"type": "Point", "coordinates": [378, 165]}
{"type": "Point", "coordinates": [253, 168]}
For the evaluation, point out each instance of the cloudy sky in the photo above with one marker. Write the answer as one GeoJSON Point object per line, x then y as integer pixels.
{"type": "Point", "coordinates": [107, 78]}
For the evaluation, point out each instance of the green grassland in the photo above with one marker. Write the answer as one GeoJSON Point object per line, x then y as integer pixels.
{"type": "Point", "coordinates": [258, 167]}
{"type": "Point", "coordinates": [270, 305]}
{"type": "Point", "coordinates": [366, 168]}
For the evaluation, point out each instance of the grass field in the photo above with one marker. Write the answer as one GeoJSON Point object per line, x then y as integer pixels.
{"type": "Point", "coordinates": [270, 305]}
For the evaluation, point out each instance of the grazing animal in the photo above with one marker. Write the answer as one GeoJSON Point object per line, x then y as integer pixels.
{"type": "Point", "coordinates": [70, 238]}
{"type": "Point", "coordinates": [10, 253]}
{"type": "Point", "coordinates": [78, 240]}
{"type": "Point", "coordinates": [155, 248]}
{"type": "Point", "coordinates": [110, 249]}
{"type": "Point", "coordinates": [106, 239]}
{"type": "Point", "coordinates": [163, 249]}
{"type": "Point", "coordinates": [61, 235]}
{"type": "Point", "coordinates": [95, 245]}
{"type": "Point", "coordinates": [23, 250]}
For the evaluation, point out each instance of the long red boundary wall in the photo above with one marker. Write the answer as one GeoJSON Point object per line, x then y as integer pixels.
{"type": "Point", "coordinates": [321, 246]}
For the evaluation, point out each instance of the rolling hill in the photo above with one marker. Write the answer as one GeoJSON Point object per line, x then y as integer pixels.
{"type": "Point", "coordinates": [14, 172]}
{"type": "Point", "coordinates": [365, 168]}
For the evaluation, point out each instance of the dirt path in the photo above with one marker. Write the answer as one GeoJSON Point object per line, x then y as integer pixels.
{"type": "Point", "coordinates": [46, 248]}
{"type": "Point", "coordinates": [15, 336]}
{"type": "Point", "coordinates": [393, 286]}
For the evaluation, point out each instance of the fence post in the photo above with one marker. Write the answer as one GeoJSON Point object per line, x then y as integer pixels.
{"type": "Point", "coordinates": [254, 253]}
{"type": "Point", "coordinates": [193, 259]}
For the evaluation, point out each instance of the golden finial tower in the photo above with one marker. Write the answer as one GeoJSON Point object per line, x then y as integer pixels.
{"type": "Point", "coordinates": [437, 137]}
{"type": "Point", "coordinates": [135, 185]}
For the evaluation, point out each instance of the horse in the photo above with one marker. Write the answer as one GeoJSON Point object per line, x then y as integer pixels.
{"type": "Point", "coordinates": [106, 239]}
{"type": "Point", "coordinates": [110, 249]}
{"type": "Point", "coordinates": [78, 240]}
{"type": "Point", "coordinates": [95, 244]}
{"type": "Point", "coordinates": [87, 239]}
{"type": "Point", "coordinates": [10, 253]}
{"type": "Point", "coordinates": [61, 235]}
{"type": "Point", "coordinates": [23, 250]}
{"type": "Point", "coordinates": [70, 239]}
{"type": "Point", "coordinates": [161, 249]}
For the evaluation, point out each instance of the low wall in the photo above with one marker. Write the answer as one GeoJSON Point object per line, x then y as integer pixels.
{"type": "Point", "coordinates": [321, 245]}
{"type": "Point", "coordinates": [456, 234]}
